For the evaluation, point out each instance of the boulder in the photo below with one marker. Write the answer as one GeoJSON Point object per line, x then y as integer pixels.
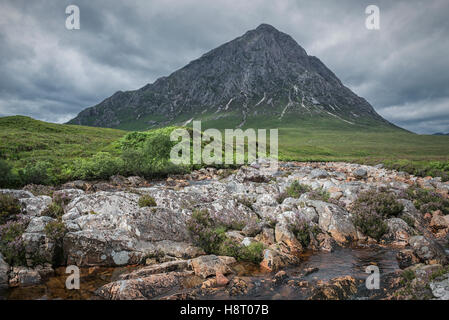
{"type": "Point", "coordinates": [398, 231]}
{"type": "Point", "coordinates": [176, 265]}
{"type": "Point", "coordinates": [440, 287]}
{"type": "Point", "coordinates": [318, 174]}
{"type": "Point", "coordinates": [406, 258]}
{"type": "Point", "coordinates": [17, 194]}
{"type": "Point", "coordinates": [285, 238]}
{"type": "Point", "coordinates": [101, 248]}
{"type": "Point", "coordinates": [250, 174]}
{"type": "Point", "coordinates": [266, 236]}
{"type": "Point", "coordinates": [427, 250]}
{"type": "Point", "coordinates": [38, 246]}
{"type": "Point", "coordinates": [334, 220]}
{"type": "Point", "coordinates": [23, 276]}
{"type": "Point", "coordinates": [439, 221]}
{"type": "Point", "coordinates": [273, 260]}
{"type": "Point", "coordinates": [360, 173]}
{"type": "Point", "coordinates": [205, 266]}
{"type": "Point", "coordinates": [34, 206]}
{"type": "Point", "coordinates": [341, 288]}
{"type": "Point", "coordinates": [143, 288]}
{"type": "Point", "coordinates": [4, 271]}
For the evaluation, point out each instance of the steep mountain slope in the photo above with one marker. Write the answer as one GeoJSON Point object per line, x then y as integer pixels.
{"type": "Point", "coordinates": [263, 74]}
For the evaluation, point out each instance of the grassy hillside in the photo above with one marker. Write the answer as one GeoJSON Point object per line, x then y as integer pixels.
{"type": "Point", "coordinates": [23, 139]}
{"type": "Point", "coordinates": [40, 152]}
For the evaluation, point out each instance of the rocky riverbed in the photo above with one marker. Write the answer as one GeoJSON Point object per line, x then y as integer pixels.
{"type": "Point", "coordinates": [130, 250]}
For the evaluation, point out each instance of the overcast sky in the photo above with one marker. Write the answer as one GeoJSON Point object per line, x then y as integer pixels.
{"type": "Point", "coordinates": [51, 73]}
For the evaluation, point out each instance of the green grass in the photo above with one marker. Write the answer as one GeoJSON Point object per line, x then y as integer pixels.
{"type": "Point", "coordinates": [24, 140]}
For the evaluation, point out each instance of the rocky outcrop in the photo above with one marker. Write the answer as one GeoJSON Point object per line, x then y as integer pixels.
{"type": "Point", "coordinates": [428, 250]}
{"type": "Point", "coordinates": [143, 288]}
{"type": "Point", "coordinates": [109, 228]}
{"type": "Point", "coordinates": [4, 271]}
{"type": "Point", "coordinates": [335, 220]}
{"type": "Point", "coordinates": [336, 289]}
{"type": "Point", "coordinates": [440, 287]}
{"type": "Point", "coordinates": [206, 266]}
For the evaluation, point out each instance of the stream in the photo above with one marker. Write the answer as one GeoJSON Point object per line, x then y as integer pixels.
{"type": "Point", "coordinates": [341, 262]}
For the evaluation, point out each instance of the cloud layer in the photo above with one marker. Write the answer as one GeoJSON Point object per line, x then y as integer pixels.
{"type": "Point", "coordinates": [51, 73]}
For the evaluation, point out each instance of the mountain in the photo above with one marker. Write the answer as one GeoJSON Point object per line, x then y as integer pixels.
{"type": "Point", "coordinates": [441, 134]}
{"type": "Point", "coordinates": [263, 76]}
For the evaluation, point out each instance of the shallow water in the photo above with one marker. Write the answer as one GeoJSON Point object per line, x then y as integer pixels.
{"type": "Point", "coordinates": [342, 262]}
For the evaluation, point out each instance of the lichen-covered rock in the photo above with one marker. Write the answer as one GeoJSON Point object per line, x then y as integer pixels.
{"type": "Point", "coordinates": [319, 174]}
{"type": "Point", "coordinates": [336, 289]}
{"type": "Point", "coordinates": [360, 173]}
{"type": "Point", "coordinates": [206, 266]}
{"type": "Point", "coordinates": [101, 247]}
{"type": "Point", "coordinates": [398, 231]}
{"type": "Point", "coordinates": [250, 174]}
{"type": "Point", "coordinates": [176, 265]}
{"type": "Point", "coordinates": [440, 287]}
{"type": "Point", "coordinates": [39, 248]}
{"type": "Point", "coordinates": [34, 206]}
{"type": "Point", "coordinates": [406, 258]}
{"type": "Point", "coordinates": [17, 194]}
{"type": "Point", "coordinates": [334, 220]}
{"type": "Point", "coordinates": [23, 276]}
{"type": "Point", "coordinates": [143, 288]}
{"type": "Point", "coordinates": [284, 237]}
{"type": "Point", "coordinates": [273, 260]}
{"type": "Point", "coordinates": [428, 250]}
{"type": "Point", "coordinates": [4, 271]}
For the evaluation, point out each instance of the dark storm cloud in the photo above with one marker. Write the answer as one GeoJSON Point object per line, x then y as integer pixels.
{"type": "Point", "coordinates": [51, 73]}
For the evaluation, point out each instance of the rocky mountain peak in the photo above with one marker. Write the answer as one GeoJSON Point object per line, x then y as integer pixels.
{"type": "Point", "coordinates": [263, 73]}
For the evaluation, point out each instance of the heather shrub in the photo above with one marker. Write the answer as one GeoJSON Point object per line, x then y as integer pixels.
{"type": "Point", "coordinates": [295, 190]}
{"type": "Point", "coordinates": [301, 230]}
{"type": "Point", "coordinates": [147, 201]}
{"type": "Point", "coordinates": [371, 209]}
{"type": "Point", "coordinates": [7, 177]}
{"type": "Point", "coordinates": [247, 202]}
{"type": "Point", "coordinates": [37, 173]}
{"type": "Point", "coordinates": [281, 197]}
{"type": "Point", "coordinates": [54, 210]}
{"type": "Point", "coordinates": [370, 223]}
{"type": "Point", "coordinates": [204, 232]}
{"type": "Point", "coordinates": [211, 237]}
{"type": "Point", "coordinates": [319, 194]}
{"type": "Point", "coordinates": [101, 166]}
{"type": "Point", "coordinates": [11, 243]}
{"type": "Point", "coordinates": [427, 201]}
{"type": "Point", "coordinates": [251, 253]}
{"type": "Point", "coordinates": [56, 231]}
{"type": "Point", "coordinates": [9, 208]}
{"type": "Point", "coordinates": [382, 202]}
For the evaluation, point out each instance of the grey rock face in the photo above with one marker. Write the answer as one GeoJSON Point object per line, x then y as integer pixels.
{"type": "Point", "coordinates": [4, 270]}
{"type": "Point", "coordinates": [18, 194]}
{"type": "Point", "coordinates": [142, 288]}
{"type": "Point", "coordinates": [264, 73]}
{"type": "Point", "coordinates": [205, 266]}
{"type": "Point", "coordinates": [34, 206]}
{"type": "Point", "coordinates": [334, 220]}
{"type": "Point", "coordinates": [427, 249]}
{"type": "Point", "coordinates": [360, 173]}
{"type": "Point", "coordinates": [319, 173]}
{"type": "Point", "coordinates": [440, 287]}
